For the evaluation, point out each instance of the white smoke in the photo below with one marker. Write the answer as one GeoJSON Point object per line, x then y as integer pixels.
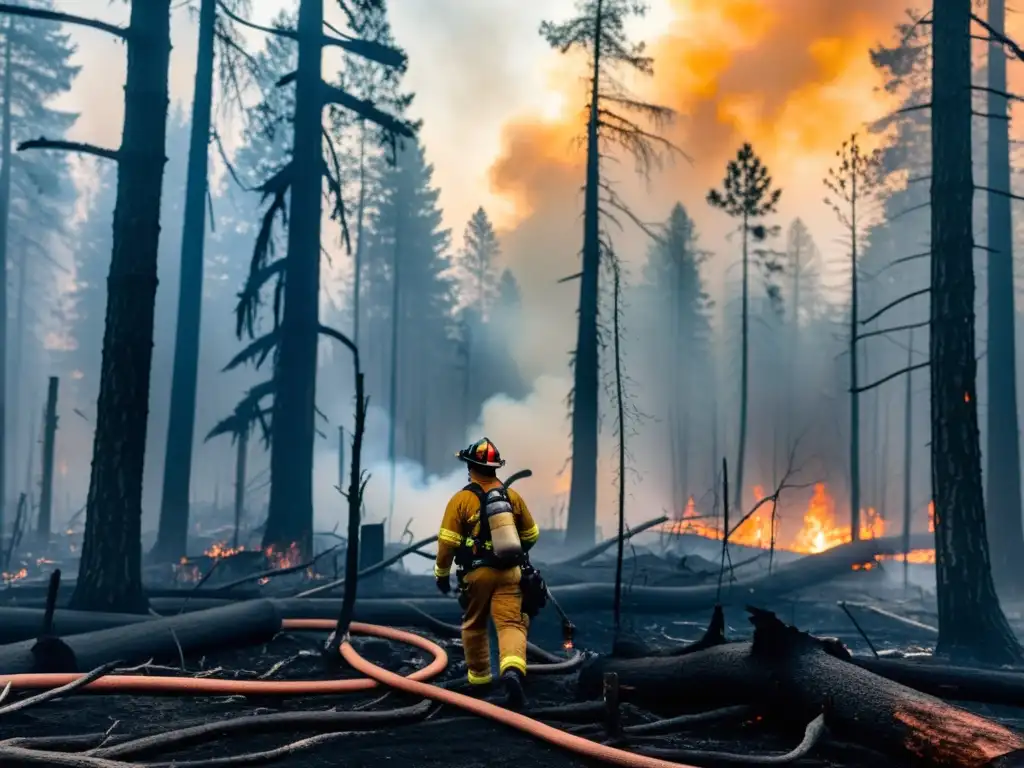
{"type": "Point", "coordinates": [532, 433]}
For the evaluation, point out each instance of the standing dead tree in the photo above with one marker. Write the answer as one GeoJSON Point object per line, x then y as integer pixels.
{"type": "Point", "coordinates": [1002, 454]}
{"type": "Point", "coordinates": [971, 622]}
{"type": "Point", "coordinates": [110, 570]}
{"type": "Point", "coordinates": [598, 29]}
{"type": "Point", "coordinates": [851, 185]}
{"type": "Point", "coordinates": [172, 534]}
{"type": "Point", "coordinates": [292, 339]}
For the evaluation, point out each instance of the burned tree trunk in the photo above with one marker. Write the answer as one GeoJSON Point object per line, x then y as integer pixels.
{"type": "Point", "coordinates": [789, 675]}
{"type": "Point", "coordinates": [44, 524]}
{"type": "Point", "coordinates": [290, 517]}
{"type": "Point", "coordinates": [5, 216]}
{"type": "Point", "coordinates": [1002, 455]}
{"type": "Point", "coordinates": [971, 622]}
{"type": "Point", "coordinates": [173, 533]}
{"type": "Point", "coordinates": [110, 570]}
{"type": "Point", "coordinates": [581, 525]}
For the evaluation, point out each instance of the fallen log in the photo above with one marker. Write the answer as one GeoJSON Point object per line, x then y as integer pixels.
{"type": "Point", "coordinates": [370, 570]}
{"type": "Point", "coordinates": [987, 686]}
{"type": "Point", "coordinates": [18, 624]}
{"type": "Point", "coordinates": [607, 544]}
{"type": "Point", "coordinates": [249, 623]}
{"type": "Point", "coordinates": [789, 674]}
{"type": "Point", "coordinates": [893, 616]}
{"type": "Point", "coordinates": [810, 570]}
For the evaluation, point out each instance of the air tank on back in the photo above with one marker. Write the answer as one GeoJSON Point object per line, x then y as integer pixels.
{"type": "Point", "coordinates": [504, 536]}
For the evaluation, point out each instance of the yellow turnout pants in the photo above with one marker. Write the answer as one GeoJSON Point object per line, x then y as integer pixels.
{"type": "Point", "coordinates": [496, 593]}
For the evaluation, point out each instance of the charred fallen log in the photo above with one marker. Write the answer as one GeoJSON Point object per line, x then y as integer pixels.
{"type": "Point", "coordinates": [789, 674]}
{"type": "Point", "coordinates": [18, 624]}
{"type": "Point", "coordinates": [249, 623]}
{"type": "Point", "coordinates": [580, 598]}
{"type": "Point", "coordinates": [989, 686]}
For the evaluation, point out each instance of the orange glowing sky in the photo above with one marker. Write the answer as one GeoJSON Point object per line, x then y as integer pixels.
{"type": "Point", "coordinates": [791, 76]}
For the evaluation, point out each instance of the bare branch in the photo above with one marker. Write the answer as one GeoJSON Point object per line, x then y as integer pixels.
{"type": "Point", "coordinates": [999, 37]}
{"type": "Point", "coordinates": [999, 192]}
{"type": "Point", "coordinates": [891, 376]}
{"type": "Point", "coordinates": [65, 18]}
{"type": "Point", "coordinates": [291, 34]}
{"type": "Point", "coordinates": [366, 109]}
{"type": "Point", "coordinates": [894, 303]}
{"type": "Point", "coordinates": [883, 331]}
{"type": "Point", "coordinates": [911, 209]}
{"type": "Point", "coordinates": [904, 260]}
{"type": "Point", "coordinates": [1004, 94]}
{"type": "Point", "coordinates": [70, 146]}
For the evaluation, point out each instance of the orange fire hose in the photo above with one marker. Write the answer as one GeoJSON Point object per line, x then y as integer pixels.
{"type": "Point", "coordinates": [374, 676]}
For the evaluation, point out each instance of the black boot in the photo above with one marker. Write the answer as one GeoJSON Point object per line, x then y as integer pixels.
{"type": "Point", "coordinates": [515, 697]}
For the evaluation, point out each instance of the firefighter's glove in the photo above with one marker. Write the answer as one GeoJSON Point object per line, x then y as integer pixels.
{"type": "Point", "coordinates": [444, 584]}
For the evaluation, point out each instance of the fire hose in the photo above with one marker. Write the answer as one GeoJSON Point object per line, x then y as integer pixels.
{"type": "Point", "coordinates": [414, 684]}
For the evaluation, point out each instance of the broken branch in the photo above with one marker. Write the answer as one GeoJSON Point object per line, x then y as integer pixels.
{"type": "Point", "coordinates": [65, 18]}
{"type": "Point", "coordinates": [70, 146]}
{"type": "Point", "coordinates": [883, 331]}
{"type": "Point", "coordinates": [894, 303]}
{"type": "Point", "coordinates": [891, 376]}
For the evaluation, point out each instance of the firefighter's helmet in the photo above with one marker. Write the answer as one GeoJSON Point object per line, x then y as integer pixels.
{"type": "Point", "coordinates": [482, 453]}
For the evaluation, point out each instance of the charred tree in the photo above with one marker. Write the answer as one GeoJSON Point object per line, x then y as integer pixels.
{"type": "Point", "coordinates": [598, 29]}
{"type": "Point", "coordinates": [1002, 453]}
{"type": "Point", "coordinates": [971, 622]}
{"type": "Point", "coordinates": [110, 572]}
{"type": "Point", "coordinates": [297, 188]}
{"type": "Point", "coordinates": [241, 477]}
{"type": "Point", "coordinates": [172, 536]}
{"type": "Point", "coordinates": [850, 184]}
{"type": "Point", "coordinates": [44, 523]}
{"type": "Point", "coordinates": [5, 215]}
{"type": "Point", "coordinates": [908, 459]}
{"type": "Point", "coordinates": [747, 194]}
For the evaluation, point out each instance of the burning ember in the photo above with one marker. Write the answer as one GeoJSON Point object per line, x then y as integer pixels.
{"type": "Point", "coordinates": [221, 549]}
{"type": "Point", "coordinates": [10, 578]}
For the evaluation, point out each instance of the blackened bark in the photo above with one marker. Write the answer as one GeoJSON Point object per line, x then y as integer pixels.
{"type": "Point", "coordinates": [744, 364]}
{"type": "Point", "coordinates": [15, 384]}
{"type": "Point", "coordinates": [290, 517]}
{"type": "Point", "coordinates": [908, 458]}
{"type": "Point", "coordinates": [971, 622]}
{"type": "Point", "coordinates": [1002, 454]}
{"type": "Point", "coordinates": [854, 394]}
{"type": "Point", "coordinates": [110, 571]}
{"type": "Point", "coordinates": [396, 318]}
{"type": "Point", "coordinates": [241, 456]}
{"type": "Point", "coordinates": [43, 526]}
{"type": "Point", "coordinates": [581, 525]}
{"type": "Point", "coordinates": [357, 261]}
{"type": "Point", "coordinates": [5, 217]}
{"type": "Point", "coordinates": [172, 537]}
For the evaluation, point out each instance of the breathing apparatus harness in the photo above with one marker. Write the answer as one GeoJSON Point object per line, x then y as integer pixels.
{"type": "Point", "coordinates": [477, 552]}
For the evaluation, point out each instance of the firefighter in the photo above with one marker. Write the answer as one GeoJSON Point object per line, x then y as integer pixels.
{"type": "Point", "coordinates": [486, 531]}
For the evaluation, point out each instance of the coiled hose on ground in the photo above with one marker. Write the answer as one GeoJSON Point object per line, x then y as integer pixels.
{"type": "Point", "coordinates": [414, 684]}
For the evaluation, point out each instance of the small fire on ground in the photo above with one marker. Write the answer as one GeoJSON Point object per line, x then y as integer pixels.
{"type": "Point", "coordinates": [819, 531]}
{"type": "Point", "coordinates": [276, 559]}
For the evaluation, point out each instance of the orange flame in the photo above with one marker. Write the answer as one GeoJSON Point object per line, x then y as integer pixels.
{"type": "Point", "coordinates": [818, 532]}
{"type": "Point", "coordinates": [221, 549]}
